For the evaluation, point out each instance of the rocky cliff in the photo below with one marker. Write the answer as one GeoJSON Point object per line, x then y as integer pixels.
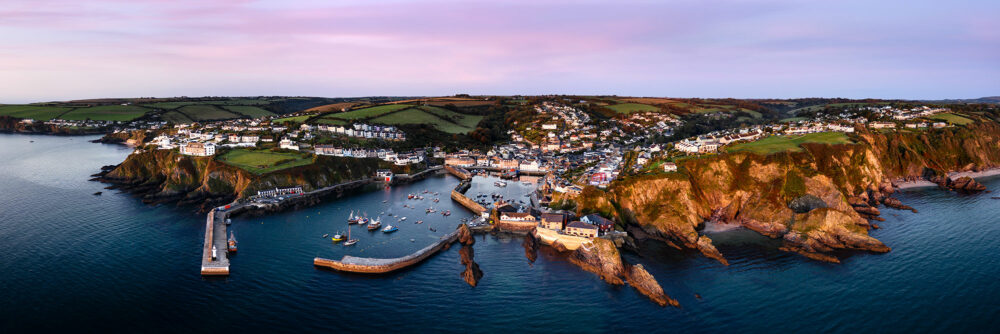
{"type": "Point", "coordinates": [168, 176]}
{"type": "Point", "coordinates": [815, 200]}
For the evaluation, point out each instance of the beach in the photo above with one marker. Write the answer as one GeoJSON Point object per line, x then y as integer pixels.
{"type": "Point", "coordinates": [953, 175]}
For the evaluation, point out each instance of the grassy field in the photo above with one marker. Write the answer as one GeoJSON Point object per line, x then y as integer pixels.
{"type": "Point", "coordinates": [951, 118]}
{"type": "Point", "coordinates": [417, 116]}
{"type": "Point", "coordinates": [170, 105]}
{"type": "Point", "coordinates": [369, 112]}
{"type": "Point", "coordinates": [261, 162]}
{"type": "Point", "coordinates": [627, 108]}
{"type": "Point", "coordinates": [203, 112]}
{"type": "Point", "coordinates": [469, 121]}
{"type": "Point", "coordinates": [250, 111]}
{"type": "Point", "coordinates": [40, 113]}
{"type": "Point", "coordinates": [793, 119]}
{"type": "Point", "coordinates": [331, 121]}
{"type": "Point", "coordinates": [335, 107]}
{"type": "Point", "coordinates": [775, 144]}
{"type": "Point", "coordinates": [106, 113]}
{"type": "Point", "coordinates": [296, 119]}
{"type": "Point", "coordinates": [176, 117]}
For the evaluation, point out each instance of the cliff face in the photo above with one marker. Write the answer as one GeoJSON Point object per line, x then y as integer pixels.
{"type": "Point", "coordinates": [166, 175]}
{"type": "Point", "coordinates": [833, 188]}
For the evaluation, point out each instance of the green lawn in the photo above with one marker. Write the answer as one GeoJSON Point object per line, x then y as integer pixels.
{"type": "Point", "coordinates": [792, 119]}
{"type": "Point", "coordinates": [951, 118]}
{"type": "Point", "coordinates": [264, 161]}
{"type": "Point", "coordinates": [170, 105]}
{"type": "Point", "coordinates": [176, 117]}
{"type": "Point", "coordinates": [417, 116]}
{"type": "Point", "coordinates": [330, 121]}
{"type": "Point", "coordinates": [40, 113]}
{"type": "Point", "coordinates": [775, 144]}
{"type": "Point", "coordinates": [369, 112]}
{"type": "Point", "coordinates": [204, 112]}
{"type": "Point", "coordinates": [106, 113]}
{"type": "Point", "coordinates": [469, 121]}
{"type": "Point", "coordinates": [627, 108]}
{"type": "Point", "coordinates": [296, 119]}
{"type": "Point", "coordinates": [251, 111]}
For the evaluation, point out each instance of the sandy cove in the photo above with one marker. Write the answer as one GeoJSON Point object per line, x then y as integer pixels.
{"type": "Point", "coordinates": [953, 175]}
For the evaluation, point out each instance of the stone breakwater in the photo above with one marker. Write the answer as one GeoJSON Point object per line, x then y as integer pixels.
{"type": "Point", "coordinates": [366, 265]}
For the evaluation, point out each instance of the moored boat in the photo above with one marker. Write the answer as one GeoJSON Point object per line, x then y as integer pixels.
{"type": "Point", "coordinates": [232, 242]}
{"type": "Point", "coordinates": [374, 225]}
{"type": "Point", "coordinates": [349, 241]}
{"type": "Point", "coordinates": [389, 229]}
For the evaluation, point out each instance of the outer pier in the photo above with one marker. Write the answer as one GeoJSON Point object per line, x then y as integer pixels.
{"type": "Point", "coordinates": [378, 266]}
{"type": "Point", "coordinates": [215, 234]}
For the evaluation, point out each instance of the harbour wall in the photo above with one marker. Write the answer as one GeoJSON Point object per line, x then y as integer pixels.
{"type": "Point", "coordinates": [467, 202]}
{"type": "Point", "coordinates": [379, 266]}
{"type": "Point", "coordinates": [458, 172]}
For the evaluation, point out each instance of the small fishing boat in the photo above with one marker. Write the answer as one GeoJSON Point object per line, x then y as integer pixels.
{"type": "Point", "coordinates": [232, 242]}
{"type": "Point", "coordinates": [389, 229]}
{"type": "Point", "coordinates": [436, 200]}
{"type": "Point", "coordinates": [419, 222]}
{"type": "Point", "coordinates": [374, 225]}
{"type": "Point", "coordinates": [352, 219]}
{"type": "Point", "coordinates": [404, 218]}
{"type": "Point", "coordinates": [337, 237]}
{"type": "Point", "coordinates": [349, 241]}
{"type": "Point", "coordinates": [326, 235]}
{"type": "Point", "coordinates": [432, 229]}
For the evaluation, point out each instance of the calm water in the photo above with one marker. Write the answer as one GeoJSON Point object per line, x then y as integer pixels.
{"type": "Point", "coordinates": [70, 261]}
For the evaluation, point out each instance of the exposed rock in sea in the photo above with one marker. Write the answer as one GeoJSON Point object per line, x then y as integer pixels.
{"type": "Point", "coordinates": [530, 247]}
{"type": "Point", "coordinates": [708, 249]}
{"type": "Point", "coordinates": [465, 236]}
{"type": "Point", "coordinates": [602, 258]}
{"type": "Point", "coordinates": [472, 274]}
{"type": "Point", "coordinates": [895, 203]}
{"type": "Point", "coordinates": [646, 284]}
{"type": "Point", "coordinates": [966, 184]}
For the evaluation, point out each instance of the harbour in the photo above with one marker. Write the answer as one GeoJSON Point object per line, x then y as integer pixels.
{"type": "Point", "coordinates": [762, 290]}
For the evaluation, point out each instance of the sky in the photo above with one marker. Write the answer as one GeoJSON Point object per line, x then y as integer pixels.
{"type": "Point", "coordinates": [69, 49]}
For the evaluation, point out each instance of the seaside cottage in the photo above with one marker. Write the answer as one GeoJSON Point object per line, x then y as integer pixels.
{"type": "Point", "coordinates": [553, 221]}
{"type": "Point", "coordinates": [581, 229]}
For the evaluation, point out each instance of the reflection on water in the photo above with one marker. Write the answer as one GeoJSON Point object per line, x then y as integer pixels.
{"type": "Point", "coordinates": [73, 261]}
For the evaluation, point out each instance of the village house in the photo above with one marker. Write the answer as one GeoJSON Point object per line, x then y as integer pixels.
{"type": "Point", "coordinates": [603, 224]}
{"type": "Point", "coordinates": [553, 221]}
{"type": "Point", "coordinates": [198, 149]}
{"type": "Point", "coordinates": [669, 167]}
{"type": "Point", "coordinates": [581, 229]}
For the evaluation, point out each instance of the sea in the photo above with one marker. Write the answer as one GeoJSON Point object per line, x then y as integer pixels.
{"type": "Point", "coordinates": [72, 261]}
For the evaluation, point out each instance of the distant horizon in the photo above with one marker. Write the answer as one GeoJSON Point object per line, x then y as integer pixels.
{"type": "Point", "coordinates": [751, 48]}
{"type": "Point", "coordinates": [499, 95]}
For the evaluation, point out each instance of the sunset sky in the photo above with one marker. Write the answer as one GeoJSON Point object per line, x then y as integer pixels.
{"type": "Point", "coordinates": [70, 49]}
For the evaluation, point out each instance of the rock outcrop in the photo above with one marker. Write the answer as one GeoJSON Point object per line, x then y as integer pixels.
{"type": "Point", "coordinates": [530, 247]}
{"type": "Point", "coordinates": [472, 274]}
{"type": "Point", "coordinates": [646, 284]}
{"type": "Point", "coordinates": [602, 258]}
{"type": "Point", "coordinates": [966, 184]}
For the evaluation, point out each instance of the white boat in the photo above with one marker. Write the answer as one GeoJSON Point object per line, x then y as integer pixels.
{"type": "Point", "coordinates": [349, 241]}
